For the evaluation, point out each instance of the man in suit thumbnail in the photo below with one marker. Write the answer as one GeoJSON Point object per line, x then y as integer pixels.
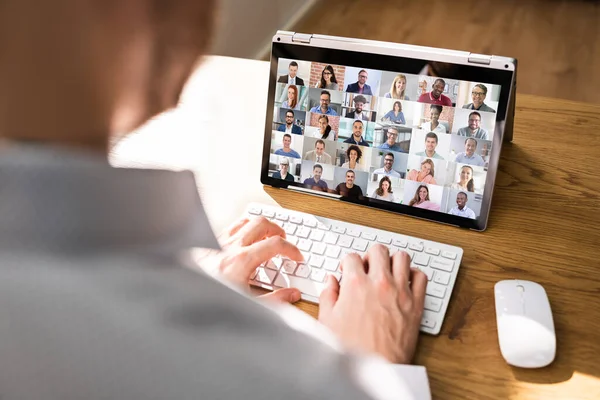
{"type": "Point", "coordinates": [361, 85]}
{"type": "Point", "coordinates": [289, 126]}
{"type": "Point", "coordinates": [291, 78]}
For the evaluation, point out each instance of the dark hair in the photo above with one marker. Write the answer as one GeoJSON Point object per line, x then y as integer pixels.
{"type": "Point", "coordinates": [353, 173]}
{"type": "Point", "coordinates": [463, 193]}
{"type": "Point", "coordinates": [475, 113]}
{"type": "Point", "coordinates": [416, 198]}
{"type": "Point", "coordinates": [287, 135]}
{"type": "Point", "coordinates": [317, 166]}
{"type": "Point", "coordinates": [357, 120]}
{"type": "Point", "coordinates": [355, 148]}
{"type": "Point", "coordinates": [482, 87]}
{"type": "Point", "coordinates": [319, 141]}
{"type": "Point", "coordinates": [327, 129]}
{"type": "Point", "coordinates": [293, 64]}
{"type": "Point", "coordinates": [393, 128]}
{"type": "Point", "coordinates": [440, 80]}
{"type": "Point", "coordinates": [431, 135]}
{"type": "Point", "coordinates": [289, 111]}
{"type": "Point", "coordinates": [388, 154]}
{"type": "Point", "coordinates": [399, 106]}
{"type": "Point", "coordinates": [326, 92]}
{"type": "Point", "coordinates": [470, 184]}
{"type": "Point", "coordinates": [473, 139]}
{"type": "Point", "coordinates": [323, 83]}
{"type": "Point", "coordinates": [436, 107]}
{"type": "Point", "coordinates": [361, 71]}
{"type": "Point", "coordinates": [379, 190]}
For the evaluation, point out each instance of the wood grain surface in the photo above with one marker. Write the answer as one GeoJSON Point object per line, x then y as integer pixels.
{"type": "Point", "coordinates": [545, 227]}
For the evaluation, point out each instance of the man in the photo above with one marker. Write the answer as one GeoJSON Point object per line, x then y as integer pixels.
{"type": "Point", "coordinates": [357, 131]}
{"type": "Point", "coordinates": [431, 142]}
{"type": "Point", "coordinates": [289, 126]}
{"type": "Point", "coordinates": [461, 208]}
{"type": "Point", "coordinates": [469, 156]}
{"type": "Point", "coordinates": [474, 129]}
{"type": "Point", "coordinates": [283, 173]}
{"type": "Point", "coordinates": [291, 78]}
{"type": "Point", "coordinates": [390, 143]}
{"type": "Point", "coordinates": [318, 154]}
{"type": "Point", "coordinates": [316, 182]}
{"type": "Point", "coordinates": [287, 150]}
{"type": "Point", "coordinates": [323, 107]}
{"type": "Point", "coordinates": [388, 163]}
{"type": "Point", "coordinates": [436, 95]}
{"type": "Point", "coordinates": [478, 96]}
{"type": "Point", "coordinates": [357, 113]}
{"type": "Point", "coordinates": [361, 85]}
{"type": "Point", "coordinates": [97, 294]}
{"type": "Point", "coordinates": [349, 189]}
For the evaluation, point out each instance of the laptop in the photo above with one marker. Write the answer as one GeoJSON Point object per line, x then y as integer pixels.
{"type": "Point", "coordinates": [408, 129]}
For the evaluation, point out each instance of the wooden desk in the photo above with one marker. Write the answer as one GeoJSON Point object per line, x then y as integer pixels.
{"type": "Point", "coordinates": [544, 226]}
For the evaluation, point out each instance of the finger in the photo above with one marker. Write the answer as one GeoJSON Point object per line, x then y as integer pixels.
{"type": "Point", "coordinates": [378, 260]}
{"type": "Point", "coordinates": [285, 295]}
{"type": "Point", "coordinates": [353, 264]}
{"type": "Point", "coordinates": [329, 297]}
{"type": "Point", "coordinates": [269, 248]}
{"type": "Point", "coordinates": [236, 226]}
{"type": "Point", "coordinates": [258, 229]}
{"type": "Point", "coordinates": [401, 269]}
{"type": "Point", "coordinates": [418, 286]}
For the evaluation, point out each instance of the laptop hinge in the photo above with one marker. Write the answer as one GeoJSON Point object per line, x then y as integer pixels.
{"type": "Point", "coordinates": [301, 37]}
{"type": "Point", "coordinates": [480, 59]}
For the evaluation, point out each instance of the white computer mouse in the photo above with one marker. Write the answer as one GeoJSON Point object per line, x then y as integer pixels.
{"type": "Point", "coordinates": [525, 325]}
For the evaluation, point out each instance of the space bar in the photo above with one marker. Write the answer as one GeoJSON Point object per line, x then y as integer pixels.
{"type": "Point", "coordinates": [306, 286]}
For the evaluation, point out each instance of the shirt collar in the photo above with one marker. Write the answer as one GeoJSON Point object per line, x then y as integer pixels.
{"type": "Point", "coordinates": [72, 200]}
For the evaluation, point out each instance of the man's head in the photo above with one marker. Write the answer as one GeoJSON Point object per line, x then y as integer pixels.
{"type": "Point", "coordinates": [470, 146]}
{"type": "Point", "coordinates": [325, 99]}
{"type": "Point", "coordinates": [362, 77]}
{"type": "Point", "coordinates": [478, 94]}
{"type": "Point", "coordinates": [438, 87]}
{"type": "Point", "coordinates": [357, 128]}
{"type": "Point", "coordinates": [319, 147]}
{"type": "Point", "coordinates": [349, 178]}
{"type": "Point", "coordinates": [289, 117]}
{"type": "Point", "coordinates": [293, 69]}
{"type": "Point", "coordinates": [287, 141]}
{"type": "Point", "coordinates": [431, 141]}
{"type": "Point", "coordinates": [89, 69]}
{"type": "Point", "coordinates": [474, 120]}
{"type": "Point", "coordinates": [461, 200]}
{"type": "Point", "coordinates": [392, 135]}
{"type": "Point", "coordinates": [388, 161]}
{"type": "Point", "coordinates": [317, 172]}
{"type": "Point", "coordinates": [359, 103]}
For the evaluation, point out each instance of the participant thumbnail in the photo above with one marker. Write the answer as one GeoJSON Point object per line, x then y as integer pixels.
{"type": "Point", "coordinates": [292, 97]}
{"type": "Point", "coordinates": [427, 170]}
{"type": "Point", "coordinates": [467, 178]}
{"type": "Point", "coordinates": [356, 132]}
{"type": "Point", "coordinates": [436, 118]}
{"type": "Point", "coordinates": [351, 184]}
{"type": "Point", "coordinates": [289, 121]}
{"type": "Point", "coordinates": [430, 144]}
{"type": "Point", "coordinates": [420, 195]}
{"type": "Point", "coordinates": [293, 72]}
{"type": "Point", "coordinates": [462, 203]}
{"type": "Point", "coordinates": [284, 168]}
{"type": "Point", "coordinates": [327, 76]}
{"type": "Point", "coordinates": [382, 187]}
{"type": "Point", "coordinates": [324, 101]}
{"type": "Point", "coordinates": [352, 156]}
{"type": "Point", "coordinates": [470, 151]}
{"type": "Point", "coordinates": [358, 106]}
{"type": "Point", "coordinates": [399, 86]}
{"type": "Point", "coordinates": [392, 138]}
{"type": "Point", "coordinates": [285, 144]}
{"type": "Point", "coordinates": [478, 96]}
{"type": "Point", "coordinates": [435, 90]}
{"type": "Point", "coordinates": [362, 81]}
{"type": "Point", "coordinates": [320, 151]}
{"type": "Point", "coordinates": [323, 126]}
{"type": "Point", "coordinates": [475, 124]}
{"type": "Point", "coordinates": [388, 163]}
{"type": "Point", "coordinates": [317, 176]}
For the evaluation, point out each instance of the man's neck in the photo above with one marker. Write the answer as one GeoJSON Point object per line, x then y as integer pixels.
{"type": "Point", "coordinates": [287, 150]}
{"type": "Point", "coordinates": [476, 107]}
{"type": "Point", "coordinates": [316, 179]}
{"type": "Point", "coordinates": [469, 155]}
{"type": "Point", "coordinates": [436, 97]}
{"type": "Point", "coordinates": [473, 130]}
{"type": "Point", "coordinates": [357, 139]}
{"type": "Point", "coordinates": [324, 109]}
{"type": "Point", "coordinates": [386, 169]}
{"type": "Point", "coordinates": [461, 208]}
{"type": "Point", "coordinates": [361, 85]}
{"type": "Point", "coordinates": [289, 125]}
{"type": "Point", "coordinates": [391, 145]}
{"type": "Point", "coordinates": [351, 185]}
{"type": "Point", "coordinates": [429, 153]}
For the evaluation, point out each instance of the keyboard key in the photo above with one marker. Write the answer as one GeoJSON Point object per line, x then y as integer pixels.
{"type": "Point", "coordinates": [428, 271]}
{"type": "Point", "coordinates": [304, 244]}
{"type": "Point", "coordinates": [432, 250]}
{"type": "Point", "coordinates": [421, 259]}
{"type": "Point", "coordinates": [433, 304]}
{"type": "Point", "coordinates": [444, 265]}
{"type": "Point", "coordinates": [268, 213]}
{"type": "Point", "coordinates": [428, 320]}
{"type": "Point", "coordinates": [332, 251]}
{"type": "Point", "coordinates": [318, 275]}
{"type": "Point", "coordinates": [274, 263]}
{"type": "Point", "coordinates": [416, 246]}
{"type": "Point", "coordinates": [449, 254]}
{"type": "Point", "coordinates": [303, 232]}
{"type": "Point", "coordinates": [443, 278]}
{"type": "Point", "coordinates": [330, 238]}
{"type": "Point", "coordinates": [317, 235]}
{"type": "Point", "coordinates": [359, 245]}
{"type": "Point", "coordinates": [345, 241]}
{"type": "Point", "coordinates": [338, 229]}
{"type": "Point", "coordinates": [318, 248]}
{"type": "Point", "coordinates": [303, 271]}
{"type": "Point", "coordinates": [306, 256]}
{"type": "Point", "coordinates": [436, 290]}
{"type": "Point", "coordinates": [368, 236]}
{"type": "Point", "coordinates": [292, 239]}
{"type": "Point", "coordinates": [254, 274]}
{"type": "Point", "coordinates": [306, 286]}
{"type": "Point", "coordinates": [289, 228]}
{"type": "Point", "coordinates": [288, 267]}
{"type": "Point", "coordinates": [278, 222]}
{"type": "Point", "coordinates": [400, 243]}
{"type": "Point", "coordinates": [311, 222]}
{"type": "Point", "coordinates": [393, 250]}
{"type": "Point", "coordinates": [384, 239]}
{"type": "Point", "coordinates": [265, 275]}
{"type": "Point", "coordinates": [323, 226]}
{"type": "Point", "coordinates": [295, 219]}
{"type": "Point", "coordinates": [281, 216]}
{"type": "Point", "coordinates": [337, 275]}
{"type": "Point", "coordinates": [316, 261]}
{"type": "Point", "coordinates": [353, 232]}
{"type": "Point", "coordinates": [255, 210]}
{"type": "Point", "coordinates": [331, 264]}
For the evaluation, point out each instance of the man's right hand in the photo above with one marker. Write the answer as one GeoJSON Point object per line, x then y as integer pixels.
{"type": "Point", "coordinates": [379, 305]}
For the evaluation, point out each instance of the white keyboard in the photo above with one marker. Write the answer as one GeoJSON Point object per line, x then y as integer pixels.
{"type": "Point", "coordinates": [324, 242]}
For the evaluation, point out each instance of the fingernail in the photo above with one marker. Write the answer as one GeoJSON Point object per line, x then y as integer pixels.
{"type": "Point", "coordinates": [295, 296]}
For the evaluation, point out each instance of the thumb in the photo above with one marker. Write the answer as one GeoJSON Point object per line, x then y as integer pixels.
{"type": "Point", "coordinates": [285, 295]}
{"type": "Point", "coordinates": [329, 296]}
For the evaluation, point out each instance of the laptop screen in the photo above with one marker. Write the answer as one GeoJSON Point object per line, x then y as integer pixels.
{"type": "Point", "coordinates": [384, 135]}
